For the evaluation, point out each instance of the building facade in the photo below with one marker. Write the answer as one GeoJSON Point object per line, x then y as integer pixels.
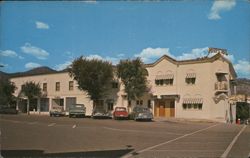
{"type": "Point", "coordinates": [198, 88]}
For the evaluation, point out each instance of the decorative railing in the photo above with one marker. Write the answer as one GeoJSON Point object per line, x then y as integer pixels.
{"type": "Point", "coordinates": [221, 86]}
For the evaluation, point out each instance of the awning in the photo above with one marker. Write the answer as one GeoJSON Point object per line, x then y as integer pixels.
{"type": "Point", "coordinates": [192, 101]}
{"type": "Point", "coordinates": [164, 77]}
{"type": "Point", "coordinates": [191, 75]}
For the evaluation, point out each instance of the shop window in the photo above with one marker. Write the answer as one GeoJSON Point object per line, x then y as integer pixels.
{"type": "Point", "coordinates": [114, 84]}
{"type": "Point", "coordinates": [110, 106]}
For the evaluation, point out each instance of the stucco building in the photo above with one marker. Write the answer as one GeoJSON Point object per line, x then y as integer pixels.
{"type": "Point", "coordinates": [198, 88]}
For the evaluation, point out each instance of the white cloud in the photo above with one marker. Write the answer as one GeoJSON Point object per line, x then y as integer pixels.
{"type": "Point", "coordinates": [63, 66]}
{"type": "Point", "coordinates": [41, 25]}
{"type": "Point", "coordinates": [31, 65]}
{"type": "Point", "coordinates": [195, 53]}
{"type": "Point", "coordinates": [151, 54]}
{"type": "Point", "coordinates": [94, 56]}
{"type": "Point", "coordinates": [3, 65]}
{"type": "Point", "coordinates": [8, 53]}
{"type": "Point", "coordinates": [90, 2]}
{"type": "Point", "coordinates": [218, 6]}
{"type": "Point", "coordinates": [243, 68]}
{"type": "Point", "coordinates": [35, 51]}
{"type": "Point", "coordinates": [113, 60]}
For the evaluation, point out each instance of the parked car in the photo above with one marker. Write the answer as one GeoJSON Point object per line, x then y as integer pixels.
{"type": "Point", "coordinates": [57, 111]}
{"type": "Point", "coordinates": [141, 113]}
{"type": "Point", "coordinates": [120, 113]}
{"type": "Point", "coordinates": [7, 110]}
{"type": "Point", "coordinates": [77, 110]}
{"type": "Point", "coordinates": [101, 113]}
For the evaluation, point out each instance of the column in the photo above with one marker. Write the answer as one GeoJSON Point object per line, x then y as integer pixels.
{"type": "Point", "coordinates": [38, 105]}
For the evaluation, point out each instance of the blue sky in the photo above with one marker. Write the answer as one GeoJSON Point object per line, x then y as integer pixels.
{"type": "Point", "coordinates": [54, 33]}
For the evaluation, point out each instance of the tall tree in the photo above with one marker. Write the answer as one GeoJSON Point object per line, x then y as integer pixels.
{"type": "Point", "coordinates": [93, 76]}
{"type": "Point", "coordinates": [133, 75]}
{"type": "Point", "coordinates": [7, 88]}
{"type": "Point", "coordinates": [31, 90]}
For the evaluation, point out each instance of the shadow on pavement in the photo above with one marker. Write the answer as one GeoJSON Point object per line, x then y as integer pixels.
{"type": "Point", "coordinates": [88, 154]}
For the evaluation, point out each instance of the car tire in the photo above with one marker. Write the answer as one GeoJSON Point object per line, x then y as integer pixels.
{"type": "Point", "coordinates": [70, 115]}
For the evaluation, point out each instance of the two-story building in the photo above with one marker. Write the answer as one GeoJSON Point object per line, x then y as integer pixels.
{"type": "Point", "coordinates": [197, 88]}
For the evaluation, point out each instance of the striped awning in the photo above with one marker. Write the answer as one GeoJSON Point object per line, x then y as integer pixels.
{"type": "Point", "coordinates": [191, 75]}
{"type": "Point", "coordinates": [192, 101]}
{"type": "Point", "coordinates": [163, 77]}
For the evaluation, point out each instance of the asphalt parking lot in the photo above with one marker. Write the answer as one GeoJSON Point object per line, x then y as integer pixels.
{"type": "Point", "coordinates": [43, 136]}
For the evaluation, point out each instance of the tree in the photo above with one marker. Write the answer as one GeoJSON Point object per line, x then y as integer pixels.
{"type": "Point", "coordinates": [133, 75]}
{"type": "Point", "coordinates": [31, 90]}
{"type": "Point", "coordinates": [93, 76]}
{"type": "Point", "coordinates": [7, 88]}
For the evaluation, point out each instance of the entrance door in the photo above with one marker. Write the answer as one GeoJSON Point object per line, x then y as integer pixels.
{"type": "Point", "coordinates": [161, 108]}
{"type": "Point", "coordinates": [172, 109]}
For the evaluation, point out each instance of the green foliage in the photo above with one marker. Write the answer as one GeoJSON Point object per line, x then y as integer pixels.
{"type": "Point", "coordinates": [93, 76]}
{"type": "Point", "coordinates": [7, 89]}
{"type": "Point", "coordinates": [133, 76]}
{"type": "Point", "coordinates": [31, 90]}
{"type": "Point", "coordinates": [242, 110]}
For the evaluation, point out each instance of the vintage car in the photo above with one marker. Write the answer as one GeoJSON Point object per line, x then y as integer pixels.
{"type": "Point", "coordinates": [56, 111]}
{"type": "Point", "coordinates": [120, 113]}
{"type": "Point", "coordinates": [76, 110]}
{"type": "Point", "coordinates": [141, 113]}
{"type": "Point", "coordinates": [7, 110]}
{"type": "Point", "coordinates": [101, 113]}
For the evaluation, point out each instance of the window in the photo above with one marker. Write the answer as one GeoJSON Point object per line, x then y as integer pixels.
{"type": "Point", "coordinates": [139, 102]}
{"type": "Point", "coordinates": [162, 82]}
{"type": "Point", "coordinates": [149, 103]}
{"type": "Point", "coordinates": [45, 87]}
{"type": "Point", "coordinates": [114, 84]}
{"type": "Point", "coordinates": [71, 85]}
{"type": "Point", "coordinates": [190, 78]}
{"type": "Point", "coordinates": [57, 86]}
{"type": "Point", "coordinates": [193, 106]}
{"type": "Point", "coordinates": [110, 106]}
{"type": "Point", "coordinates": [129, 102]}
{"type": "Point", "coordinates": [190, 81]}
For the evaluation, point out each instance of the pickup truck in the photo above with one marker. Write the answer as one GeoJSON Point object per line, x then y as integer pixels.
{"type": "Point", "coordinates": [77, 110]}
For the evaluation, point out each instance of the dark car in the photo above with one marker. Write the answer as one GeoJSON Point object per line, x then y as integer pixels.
{"type": "Point", "coordinates": [77, 110]}
{"type": "Point", "coordinates": [57, 111]}
{"type": "Point", "coordinates": [141, 113]}
{"type": "Point", "coordinates": [101, 113]}
{"type": "Point", "coordinates": [8, 110]}
{"type": "Point", "coordinates": [120, 113]}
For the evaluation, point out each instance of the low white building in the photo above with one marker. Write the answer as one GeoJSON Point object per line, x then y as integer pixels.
{"type": "Point", "coordinates": [197, 88]}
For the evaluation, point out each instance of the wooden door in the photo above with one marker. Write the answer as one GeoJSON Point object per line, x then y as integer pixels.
{"type": "Point", "coordinates": [161, 108]}
{"type": "Point", "coordinates": [172, 109]}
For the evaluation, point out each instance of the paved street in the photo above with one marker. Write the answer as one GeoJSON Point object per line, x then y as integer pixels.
{"type": "Point", "coordinates": [43, 136]}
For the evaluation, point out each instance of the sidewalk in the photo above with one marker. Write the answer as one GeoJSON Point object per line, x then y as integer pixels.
{"type": "Point", "coordinates": [182, 120]}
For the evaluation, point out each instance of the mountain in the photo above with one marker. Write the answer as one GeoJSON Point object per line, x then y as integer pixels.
{"type": "Point", "coordinates": [35, 71]}
{"type": "Point", "coordinates": [243, 86]}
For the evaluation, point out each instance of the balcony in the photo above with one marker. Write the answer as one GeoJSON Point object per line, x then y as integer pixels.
{"type": "Point", "coordinates": [44, 93]}
{"type": "Point", "coordinates": [221, 86]}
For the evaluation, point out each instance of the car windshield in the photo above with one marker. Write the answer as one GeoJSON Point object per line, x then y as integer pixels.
{"type": "Point", "coordinates": [141, 109]}
{"type": "Point", "coordinates": [120, 109]}
{"type": "Point", "coordinates": [57, 107]}
{"type": "Point", "coordinates": [77, 106]}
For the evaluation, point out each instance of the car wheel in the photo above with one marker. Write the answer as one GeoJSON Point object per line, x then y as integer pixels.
{"type": "Point", "coordinates": [70, 115]}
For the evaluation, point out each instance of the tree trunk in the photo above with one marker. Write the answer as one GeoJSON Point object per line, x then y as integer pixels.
{"type": "Point", "coordinates": [28, 106]}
